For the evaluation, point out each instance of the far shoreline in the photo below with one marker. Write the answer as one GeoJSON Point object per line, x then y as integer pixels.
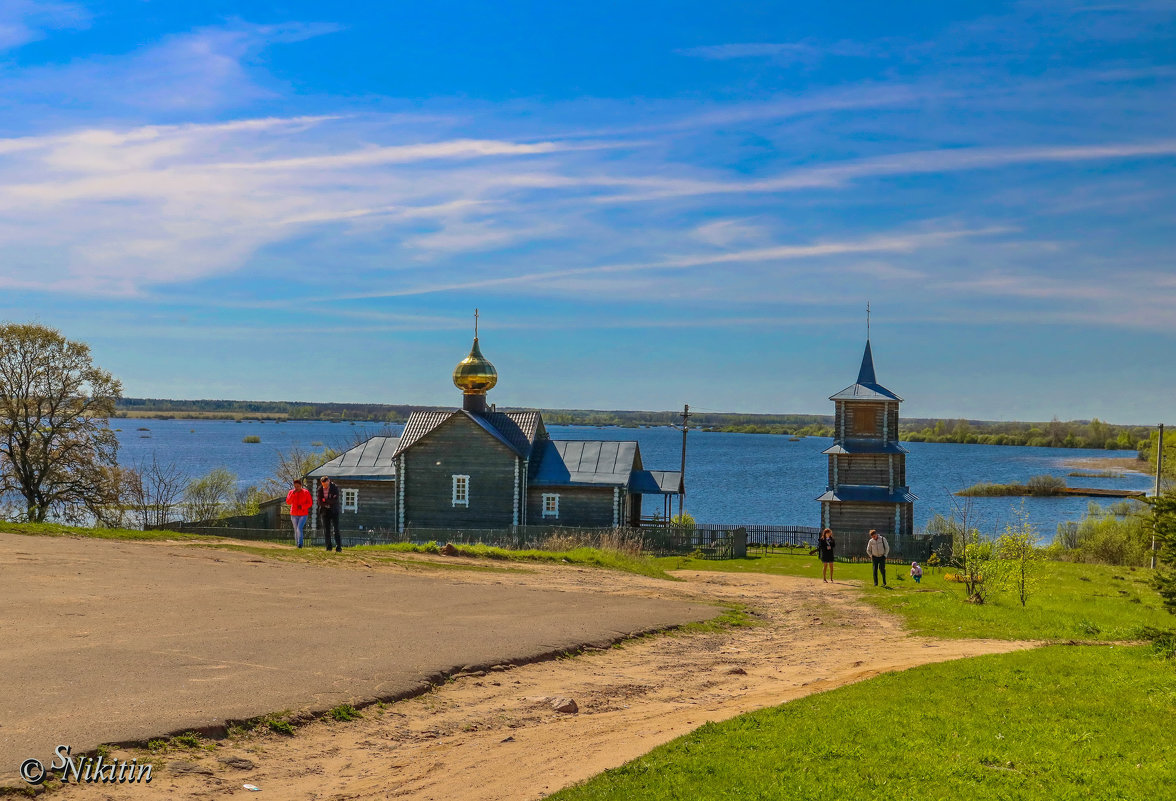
{"type": "Point", "coordinates": [1124, 463]}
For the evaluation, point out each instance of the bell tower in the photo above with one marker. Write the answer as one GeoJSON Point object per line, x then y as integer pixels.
{"type": "Point", "coordinates": [867, 485]}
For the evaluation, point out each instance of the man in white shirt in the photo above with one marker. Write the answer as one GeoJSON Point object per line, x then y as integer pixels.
{"type": "Point", "coordinates": [877, 549]}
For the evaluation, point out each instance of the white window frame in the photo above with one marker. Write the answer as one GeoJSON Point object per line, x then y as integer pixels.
{"type": "Point", "coordinates": [462, 497]}
{"type": "Point", "coordinates": [551, 512]}
{"type": "Point", "coordinates": [350, 499]}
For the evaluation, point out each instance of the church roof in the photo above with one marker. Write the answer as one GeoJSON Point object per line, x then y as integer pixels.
{"type": "Point", "coordinates": [565, 462]}
{"type": "Point", "coordinates": [520, 428]}
{"type": "Point", "coordinates": [655, 482]}
{"type": "Point", "coordinates": [419, 424]}
{"type": "Point", "coordinates": [373, 459]}
{"type": "Point", "coordinates": [866, 387]}
{"type": "Point", "coordinates": [852, 446]}
{"type": "Point", "coordinates": [517, 430]}
{"type": "Point", "coordinates": [861, 494]}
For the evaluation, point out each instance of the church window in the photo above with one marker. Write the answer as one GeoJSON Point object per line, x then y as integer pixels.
{"type": "Point", "coordinates": [865, 420]}
{"type": "Point", "coordinates": [550, 504]}
{"type": "Point", "coordinates": [461, 490]}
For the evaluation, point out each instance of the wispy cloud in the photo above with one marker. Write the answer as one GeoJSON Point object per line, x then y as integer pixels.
{"type": "Point", "coordinates": [24, 21]}
{"type": "Point", "coordinates": [198, 70]}
{"type": "Point", "coordinates": [785, 52]}
{"type": "Point", "coordinates": [914, 163]}
{"type": "Point", "coordinates": [774, 254]}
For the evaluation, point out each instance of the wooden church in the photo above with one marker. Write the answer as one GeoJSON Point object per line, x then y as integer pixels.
{"type": "Point", "coordinates": [867, 486]}
{"type": "Point", "coordinates": [479, 468]}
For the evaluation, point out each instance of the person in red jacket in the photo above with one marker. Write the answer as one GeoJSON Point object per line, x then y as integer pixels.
{"type": "Point", "coordinates": [300, 500]}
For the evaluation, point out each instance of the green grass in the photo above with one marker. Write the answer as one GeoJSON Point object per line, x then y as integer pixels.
{"type": "Point", "coordinates": [592, 557]}
{"type": "Point", "coordinates": [1073, 602]}
{"type": "Point", "coordinates": [316, 555]}
{"type": "Point", "coordinates": [187, 740]}
{"type": "Point", "coordinates": [58, 530]}
{"type": "Point", "coordinates": [733, 616]}
{"type": "Point", "coordinates": [280, 726]}
{"type": "Point", "coordinates": [1057, 723]}
{"type": "Point", "coordinates": [344, 713]}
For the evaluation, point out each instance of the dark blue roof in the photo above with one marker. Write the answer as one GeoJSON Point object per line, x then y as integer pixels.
{"type": "Point", "coordinates": [656, 482]}
{"type": "Point", "coordinates": [866, 371]}
{"type": "Point", "coordinates": [867, 387]}
{"type": "Point", "coordinates": [851, 446]}
{"type": "Point", "coordinates": [372, 460]}
{"type": "Point", "coordinates": [852, 494]}
{"type": "Point", "coordinates": [569, 462]}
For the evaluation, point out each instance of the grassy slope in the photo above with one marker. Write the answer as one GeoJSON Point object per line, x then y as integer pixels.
{"type": "Point", "coordinates": [1074, 602]}
{"type": "Point", "coordinates": [1057, 723]}
{"type": "Point", "coordinates": [589, 557]}
{"type": "Point", "coordinates": [58, 530]}
{"type": "Point", "coordinates": [1060, 722]}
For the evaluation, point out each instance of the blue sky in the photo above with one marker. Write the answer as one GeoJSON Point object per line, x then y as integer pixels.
{"type": "Point", "coordinates": [651, 203]}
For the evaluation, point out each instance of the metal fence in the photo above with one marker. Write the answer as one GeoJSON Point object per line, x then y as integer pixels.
{"type": "Point", "coordinates": [917, 548]}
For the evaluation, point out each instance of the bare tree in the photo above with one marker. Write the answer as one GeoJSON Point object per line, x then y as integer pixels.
{"type": "Point", "coordinates": [292, 464]}
{"type": "Point", "coordinates": [155, 491]}
{"type": "Point", "coordinates": [55, 408]}
{"type": "Point", "coordinates": [109, 502]}
{"type": "Point", "coordinates": [980, 568]}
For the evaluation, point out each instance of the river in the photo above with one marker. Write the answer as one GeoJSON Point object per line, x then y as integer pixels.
{"type": "Point", "coordinates": [730, 478]}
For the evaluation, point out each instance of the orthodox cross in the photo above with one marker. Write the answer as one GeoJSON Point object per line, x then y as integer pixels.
{"type": "Point", "coordinates": [867, 320]}
{"type": "Point", "coordinates": [475, 323]}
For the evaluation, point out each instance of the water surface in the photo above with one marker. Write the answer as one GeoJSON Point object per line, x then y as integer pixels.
{"type": "Point", "coordinates": [730, 478]}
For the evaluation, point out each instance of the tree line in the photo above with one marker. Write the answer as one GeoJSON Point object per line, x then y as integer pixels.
{"type": "Point", "coordinates": [1095, 433]}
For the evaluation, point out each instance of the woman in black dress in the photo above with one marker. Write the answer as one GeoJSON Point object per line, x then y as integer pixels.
{"type": "Point", "coordinates": [825, 547]}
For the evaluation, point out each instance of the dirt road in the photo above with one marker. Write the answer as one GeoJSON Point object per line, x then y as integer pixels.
{"type": "Point", "coordinates": [110, 641]}
{"type": "Point", "coordinates": [496, 736]}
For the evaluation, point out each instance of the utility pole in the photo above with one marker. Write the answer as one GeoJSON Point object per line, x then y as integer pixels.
{"type": "Point", "coordinates": [682, 495]}
{"type": "Point", "coordinates": [1159, 472]}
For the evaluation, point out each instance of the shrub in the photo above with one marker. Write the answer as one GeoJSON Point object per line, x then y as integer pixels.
{"type": "Point", "coordinates": [1045, 484]}
{"type": "Point", "coordinates": [251, 439]}
{"type": "Point", "coordinates": [1017, 547]}
{"type": "Point", "coordinates": [988, 490]}
{"type": "Point", "coordinates": [1120, 535]}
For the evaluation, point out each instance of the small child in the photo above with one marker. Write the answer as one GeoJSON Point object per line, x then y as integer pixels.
{"type": "Point", "coordinates": [916, 572]}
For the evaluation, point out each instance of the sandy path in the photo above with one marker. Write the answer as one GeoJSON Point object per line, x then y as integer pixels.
{"type": "Point", "coordinates": [495, 736]}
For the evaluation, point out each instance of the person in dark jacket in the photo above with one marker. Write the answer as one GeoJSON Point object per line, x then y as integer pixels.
{"type": "Point", "coordinates": [329, 507]}
{"type": "Point", "coordinates": [825, 546]}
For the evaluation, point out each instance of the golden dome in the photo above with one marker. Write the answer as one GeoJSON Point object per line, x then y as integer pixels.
{"type": "Point", "coordinates": [475, 375]}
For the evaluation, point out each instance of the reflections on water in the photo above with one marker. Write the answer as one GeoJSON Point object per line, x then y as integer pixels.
{"type": "Point", "coordinates": [730, 478]}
